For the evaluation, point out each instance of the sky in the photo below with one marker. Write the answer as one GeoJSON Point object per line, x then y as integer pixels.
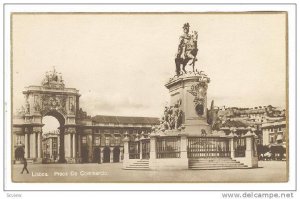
{"type": "Point", "coordinates": [121, 62]}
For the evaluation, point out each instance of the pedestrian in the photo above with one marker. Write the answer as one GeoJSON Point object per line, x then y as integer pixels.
{"type": "Point", "coordinates": [24, 166]}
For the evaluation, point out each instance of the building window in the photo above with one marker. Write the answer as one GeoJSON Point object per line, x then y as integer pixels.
{"type": "Point", "coordinates": [83, 140]}
{"type": "Point", "coordinates": [35, 98]}
{"type": "Point", "coordinates": [54, 143]}
{"type": "Point", "coordinates": [19, 140]}
{"type": "Point", "coordinates": [97, 140]}
{"type": "Point", "coordinates": [271, 138]}
{"type": "Point", "coordinates": [106, 131]}
{"type": "Point", "coordinates": [134, 132]}
{"type": "Point", "coordinates": [117, 140]}
{"type": "Point", "coordinates": [107, 140]}
{"type": "Point", "coordinates": [131, 137]}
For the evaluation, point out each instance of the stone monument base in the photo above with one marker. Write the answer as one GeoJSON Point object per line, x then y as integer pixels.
{"type": "Point", "coordinates": [188, 93]}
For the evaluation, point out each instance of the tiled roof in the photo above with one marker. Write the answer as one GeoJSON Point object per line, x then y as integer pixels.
{"type": "Point", "coordinates": [125, 120]}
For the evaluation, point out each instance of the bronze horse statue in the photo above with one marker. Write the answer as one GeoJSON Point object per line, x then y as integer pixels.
{"type": "Point", "coordinates": [187, 50]}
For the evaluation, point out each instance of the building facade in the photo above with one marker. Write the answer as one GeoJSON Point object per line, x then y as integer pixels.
{"type": "Point", "coordinates": [100, 138]}
{"type": "Point", "coordinates": [274, 132]}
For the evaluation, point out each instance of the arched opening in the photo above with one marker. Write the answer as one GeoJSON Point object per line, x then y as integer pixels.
{"type": "Point", "coordinates": [19, 153]}
{"type": "Point", "coordinates": [85, 154]}
{"type": "Point", "coordinates": [53, 138]}
{"type": "Point", "coordinates": [116, 154]}
{"type": "Point", "coordinates": [106, 154]}
{"type": "Point", "coordinates": [96, 155]}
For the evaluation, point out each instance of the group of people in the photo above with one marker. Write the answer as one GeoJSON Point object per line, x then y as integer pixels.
{"type": "Point", "coordinates": [172, 118]}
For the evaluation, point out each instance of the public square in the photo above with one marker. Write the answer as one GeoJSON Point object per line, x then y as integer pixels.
{"type": "Point", "coordinates": [268, 171]}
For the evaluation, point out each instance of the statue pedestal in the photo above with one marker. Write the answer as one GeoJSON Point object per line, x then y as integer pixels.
{"type": "Point", "coordinates": [190, 92]}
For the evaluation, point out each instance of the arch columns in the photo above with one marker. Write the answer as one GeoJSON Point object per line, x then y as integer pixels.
{"type": "Point", "coordinates": [101, 154]}
{"type": "Point", "coordinates": [111, 154]}
{"type": "Point", "coordinates": [121, 154]}
{"type": "Point", "coordinates": [26, 144]}
{"type": "Point", "coordinates": [37, 142]}
{"type": "Point", "coordinates": [39, 137]}
{"type": "Point", "coordinates": [78, 153]}
{"type": "Point", "coordinates": [70, 144]}
{"type": "Point", "coordinates": [33, 143]}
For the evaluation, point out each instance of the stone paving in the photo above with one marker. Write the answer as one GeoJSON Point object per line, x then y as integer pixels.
{"type": "Point", "coordinates": [268, 171]}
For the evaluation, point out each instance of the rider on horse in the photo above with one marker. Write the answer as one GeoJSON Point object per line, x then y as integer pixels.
{"type": "Point", "coordinates": [187, 49]}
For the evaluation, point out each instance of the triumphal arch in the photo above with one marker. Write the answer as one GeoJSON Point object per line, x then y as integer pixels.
{"type": "Point", "coordinates": [51, 98]}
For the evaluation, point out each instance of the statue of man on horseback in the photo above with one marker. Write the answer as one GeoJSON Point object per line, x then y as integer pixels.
{"type": "Point", "coordinates": [187, 49]}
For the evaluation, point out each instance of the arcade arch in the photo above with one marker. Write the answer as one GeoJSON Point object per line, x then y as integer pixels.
{"type": "Point", "coordinates": [53, 137]}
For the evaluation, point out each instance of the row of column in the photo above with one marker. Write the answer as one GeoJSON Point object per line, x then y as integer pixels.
{"type": "Point", "coordinates": [111, 155]}
{"type": "Point", "coordinates": [33, 145]}
{"type": "Point", "coordinates": [70, 145]}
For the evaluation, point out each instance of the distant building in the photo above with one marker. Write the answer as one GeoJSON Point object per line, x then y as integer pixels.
{"type": "Point", "coordinates": [274, 132]}
{"type": "Point", "coordinates": [265, 119]}
{"type": "Point", "coordinates": [50, 146]}
{"type": "Point", "coordinates": [101, 137]}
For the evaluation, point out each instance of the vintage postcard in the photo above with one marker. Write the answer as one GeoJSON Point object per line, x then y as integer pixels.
{"type": "Point", "coordinates": [153, 97]}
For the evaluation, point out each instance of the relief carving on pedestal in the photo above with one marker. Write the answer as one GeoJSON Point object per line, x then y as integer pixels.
{"type": "Point", "coordinates": [173, 117]}
{"type": "Point", "coordinates": [199, 92]}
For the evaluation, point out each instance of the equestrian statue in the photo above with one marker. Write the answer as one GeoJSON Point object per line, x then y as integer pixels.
{"type": "Point", "coordinates": [187, 50]}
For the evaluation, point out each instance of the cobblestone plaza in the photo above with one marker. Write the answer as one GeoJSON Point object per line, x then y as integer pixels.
{"type": "Point", "coordinates": [268, 171]}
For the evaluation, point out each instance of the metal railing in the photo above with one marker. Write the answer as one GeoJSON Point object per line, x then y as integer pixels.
{"type": "Point", "coordinates": [240, 147]}
{"type": "Point", "coordinates": [134, 150]}
{"type": "Point", "coordinates": [168, 147]}
{"type": "Point", "coordinates": [208, 147]}
{"type": "Point", "coordinates": [145, 149]}
{"type": "Point", "coordinates": [240, 151]}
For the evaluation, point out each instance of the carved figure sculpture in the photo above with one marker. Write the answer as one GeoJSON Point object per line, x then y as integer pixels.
{"type": "Point", "coordinates": [173, 117]}
{"type": "Point", "coordinates": [27, 108]}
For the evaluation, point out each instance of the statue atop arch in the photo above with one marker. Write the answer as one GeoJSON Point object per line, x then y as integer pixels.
{"type": "Point", "coordinates": [53, 80]}
{"type": "Point", "coordinates": [187, 50]}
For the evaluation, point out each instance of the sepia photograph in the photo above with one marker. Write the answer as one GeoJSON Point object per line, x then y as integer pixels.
{"type": "Point", "coordinates": [149, 97]}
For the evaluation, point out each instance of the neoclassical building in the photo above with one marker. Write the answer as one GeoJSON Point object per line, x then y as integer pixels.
{"type": "Point", "coordinates": [82, 138]}
{"type": "Point", "coordinates": [50, 146]}
{"type": "Point", "coordinates": [274, 132]}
